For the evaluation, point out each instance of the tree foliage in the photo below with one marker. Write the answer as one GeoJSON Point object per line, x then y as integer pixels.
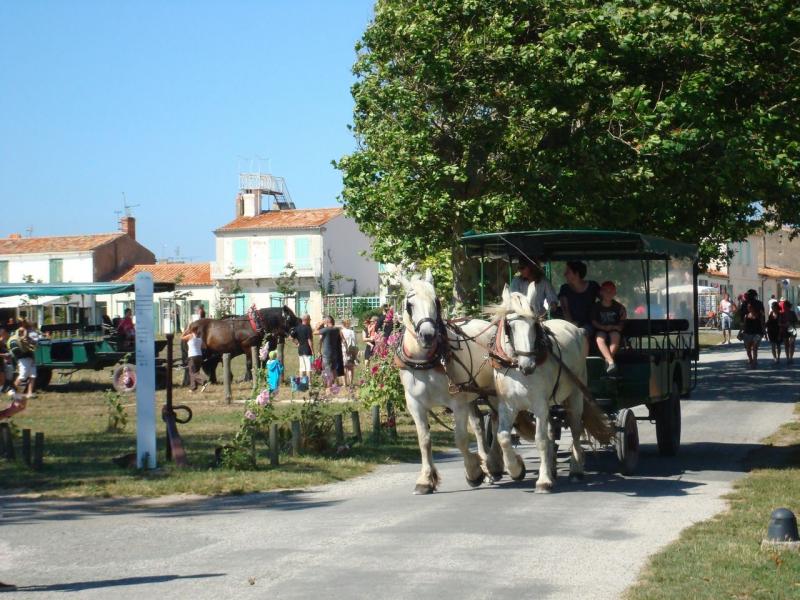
{"type": "Point", "coordinates": [674, 119]}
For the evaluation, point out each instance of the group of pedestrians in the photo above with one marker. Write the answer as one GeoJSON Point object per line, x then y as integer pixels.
{"type": "Point", "coordinates": [338, 349]}
{"type": "Point", "coordinates": [778, 324]}
{"type": "Point", "coordinates": [18, 348]}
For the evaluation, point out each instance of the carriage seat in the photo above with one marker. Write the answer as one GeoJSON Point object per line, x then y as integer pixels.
{"type": "Point", "coordinates": [643, 328]}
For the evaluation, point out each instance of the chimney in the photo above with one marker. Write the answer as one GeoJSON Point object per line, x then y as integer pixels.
{"type": "Point", "coordinates": [128, 225]}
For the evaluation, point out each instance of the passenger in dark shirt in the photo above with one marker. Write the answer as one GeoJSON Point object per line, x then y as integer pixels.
{"type": "Point", "coordinates": [577, 296]}
{"type": "Point", "coordinates": [331, 346]}
{"type": "Point", "coordinates": [608, 319]}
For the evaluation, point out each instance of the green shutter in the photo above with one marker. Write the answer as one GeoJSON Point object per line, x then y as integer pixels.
{"type": "Point", "coordinates": [56, 270]}
{"type": "Point", "coordinates": [277, 256]}
{"type": "Point", "coordinates": [302, 253]}
{"type": "Point", "coordinates": [241, 254]}
{"type": "Point", "coordinates": [3, 271]}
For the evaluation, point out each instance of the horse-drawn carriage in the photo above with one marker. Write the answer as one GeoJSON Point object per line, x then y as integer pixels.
{"type": "Point", "coordinates": [71, 347]}
{"type": "Point", "coordinates": [656, 280]}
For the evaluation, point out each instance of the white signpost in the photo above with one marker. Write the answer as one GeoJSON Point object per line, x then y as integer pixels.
{"type": "Point", "coordinates": [145, 374]}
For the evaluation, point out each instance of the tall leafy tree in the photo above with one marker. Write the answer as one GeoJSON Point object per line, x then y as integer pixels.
{"type": "Point", "coordinates": [678, 119]}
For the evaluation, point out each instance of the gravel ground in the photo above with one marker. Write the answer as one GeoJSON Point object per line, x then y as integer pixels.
{"type": "Point", "coordinates": [370, 538]}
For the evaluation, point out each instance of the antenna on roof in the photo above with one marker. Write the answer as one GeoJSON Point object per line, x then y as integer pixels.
{"type": "Point", "coordinates": [126, 208]}
{"type": "Point", "coordinates": [29, 230]}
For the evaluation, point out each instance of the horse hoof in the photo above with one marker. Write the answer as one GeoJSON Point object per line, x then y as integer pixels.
{"type": "Point", "coordinates": [521, 475]}
{"type": "Point", "coordinates": [497, 477]}
{"type": "Point", "coordinates": [544, 488]}
{"type": "Point", "coordinates": [423, 490]}
{"type": "Point", "coordinates": [477, 481]}
{"type": "Point", "coordinates": [575, 477]}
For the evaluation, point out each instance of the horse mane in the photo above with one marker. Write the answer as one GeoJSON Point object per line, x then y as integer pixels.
{"type": "Point", "coordinates": [517, 304]}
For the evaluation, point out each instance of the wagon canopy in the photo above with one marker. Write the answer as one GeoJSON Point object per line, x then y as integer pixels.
{"type": "Point", "coordinates": [568, 244]}
{"type": "Point", "coordinates": [68, 289]}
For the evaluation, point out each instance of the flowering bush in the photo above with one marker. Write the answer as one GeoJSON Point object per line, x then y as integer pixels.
{"type": "Point", "coordinates": [381, 383]}
{"type": "Point", "coordinates": [240, 453]}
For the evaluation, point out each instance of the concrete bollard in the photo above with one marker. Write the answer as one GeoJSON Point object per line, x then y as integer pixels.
{"type": "Point", "coordinates": [38, 450]}
{"type": "Point", "coordinates": [26, 446]}
{"type": "Point", "coordinates": [274, 442]}
{"type": "Point", "coordinates": [356, 420]}
{"type": "Point", "coordinates": [226, 377]}
{"type": "Point", "coordinates": [295, 438]}
{"type": "Point", "coordinates": [338, 427]}
{"type": "Point", "coordinates": [376, 424]}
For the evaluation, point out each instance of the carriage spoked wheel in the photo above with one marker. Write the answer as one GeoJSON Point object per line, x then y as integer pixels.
{"type": "Point", "coordinates": [627, 441]}
{"type": "Point", "coordinates": [124, 378]}
{"type": "Point", "coordinates": [668, 420]}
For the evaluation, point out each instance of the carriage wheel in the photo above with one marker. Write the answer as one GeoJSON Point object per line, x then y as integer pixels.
{"type": "Point", "coordinates": [627, 441]}
{"type": "Point", "coordinates": [668, 421]}
{"type": "Point", "coordinates": [124, 378]}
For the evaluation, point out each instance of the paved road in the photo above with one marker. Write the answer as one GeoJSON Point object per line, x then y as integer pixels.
{"type": "Point", "coordinates": [370, 538]}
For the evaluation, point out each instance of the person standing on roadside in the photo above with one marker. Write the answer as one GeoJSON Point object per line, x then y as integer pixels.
{"type": "Point", "coordinates": [789, 326]}
{"type": "Point", "coordinates": [194, 345]}
{"type": "Point", "coordinates": [303, 338]}
{"type": "Point", "coordinates": [331, 346]}
{"type": "Point", "coordinates": [726, 310]}
{"type": "Point", "coordinates": [349, 352]}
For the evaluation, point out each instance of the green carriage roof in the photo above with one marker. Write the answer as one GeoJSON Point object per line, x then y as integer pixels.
{"type": "Point", "coordinates": [567, 244]}
{"type": "Point", "coordinates": [67, 289]}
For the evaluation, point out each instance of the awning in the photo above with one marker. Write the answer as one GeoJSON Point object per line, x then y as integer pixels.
{"type": "Point", "coordinates": [67, 289]}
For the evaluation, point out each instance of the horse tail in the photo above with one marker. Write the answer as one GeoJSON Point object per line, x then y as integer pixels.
{"type": "Point", "coordinates": [596, 422]}
{"type": "Point", "coordinates": [526, 426]}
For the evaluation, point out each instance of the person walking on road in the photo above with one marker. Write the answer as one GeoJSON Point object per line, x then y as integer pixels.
{"type": "Point", "coordinates": [789, 326]}
{"type": "Point", "coordinates": [331, 345]}
{"type": "Point", "coordinates": [774, 331]}
{"type": "Point", "coordinates": [726, 310]}
{"type": "Point", "coordinates": [753, 321]}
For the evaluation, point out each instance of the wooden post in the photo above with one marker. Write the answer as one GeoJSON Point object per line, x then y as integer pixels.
{"type": "Point", "coordinates": [295, 438]}
{"type": "Point", "coordinates": [6, 441]}
{"type": "Point", "coordinates": [38, 450]}
{"type": "Point", "coordinates": [254, 365]}
{"type": "Point", "coordinates": [26, 446]}
{"type": "Point", "coordinates": [273, 445]}
{"type": "Point", "coordinates": [391, 417]}
{"type": "Point", "coordinates": [376, 424]}
{"type": "Point", "coordinates": [226, 377]}
{"type": "Point", "coordinates": [339, 428]}
{"type": "Point", "coordinates": [168, 446]}
{"type": "Point", "coordinates": [355, 418]}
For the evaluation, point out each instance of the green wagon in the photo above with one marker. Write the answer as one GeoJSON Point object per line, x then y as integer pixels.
{"type": "Point", "coordinates": [656, 281]}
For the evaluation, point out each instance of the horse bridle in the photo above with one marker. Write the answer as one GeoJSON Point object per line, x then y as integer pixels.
{"type": "Point", "coordinates": [506, 327]}
{"type": "Point", "coordinates": [418, 325]}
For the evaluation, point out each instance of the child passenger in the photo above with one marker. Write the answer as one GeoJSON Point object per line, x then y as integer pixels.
{"type": "Point", "coordinates": [608, 319]}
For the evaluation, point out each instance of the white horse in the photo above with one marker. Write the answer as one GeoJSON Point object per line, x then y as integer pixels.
{"type": "Point", "coordinates": [445, 366]}
{"type": "Point", "coordinates": [524, 383]}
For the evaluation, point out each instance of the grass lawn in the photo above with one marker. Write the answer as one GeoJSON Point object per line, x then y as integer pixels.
{"type": "Point", "coordinates": [721, 558]}
{"type": "Point", "coordinates": [78, 449]}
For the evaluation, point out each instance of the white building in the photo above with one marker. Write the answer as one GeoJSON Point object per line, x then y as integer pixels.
{"type": "Point", "coordinates": [63, 259]}
{"type": "Point", "coordinates": [172, 310]}
{"type": "Point", "coordinates": [325, 248]}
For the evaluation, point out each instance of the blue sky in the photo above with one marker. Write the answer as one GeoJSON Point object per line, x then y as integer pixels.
{"type": "Point", "coordinates": [167, 101]}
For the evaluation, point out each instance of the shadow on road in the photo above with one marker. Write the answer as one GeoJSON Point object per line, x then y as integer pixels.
{"type": "Point", "coordinates": [20, 510]}
{"type": "Point", "coordinates": [80, 586]}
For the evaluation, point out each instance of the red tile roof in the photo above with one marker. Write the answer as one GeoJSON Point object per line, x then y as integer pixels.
{"type": "Point", "coordinates": [66, 243]}
{"type": "Point", "coordinates": [284, 219]}
{"type": "Point", "coordinates": [776, 273]}
{"type": "Point", "coordinates": [188, 273]}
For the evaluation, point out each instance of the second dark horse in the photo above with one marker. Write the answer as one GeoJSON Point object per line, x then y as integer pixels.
{"type": "Point", "coordinates": [236, 335]}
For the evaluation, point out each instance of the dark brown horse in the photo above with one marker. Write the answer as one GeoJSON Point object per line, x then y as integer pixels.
{"type": "Point", "coordinates": [236, 335]}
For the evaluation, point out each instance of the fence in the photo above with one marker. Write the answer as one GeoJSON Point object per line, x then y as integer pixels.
{"type": "Point", "coordinates": [341, 307]}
